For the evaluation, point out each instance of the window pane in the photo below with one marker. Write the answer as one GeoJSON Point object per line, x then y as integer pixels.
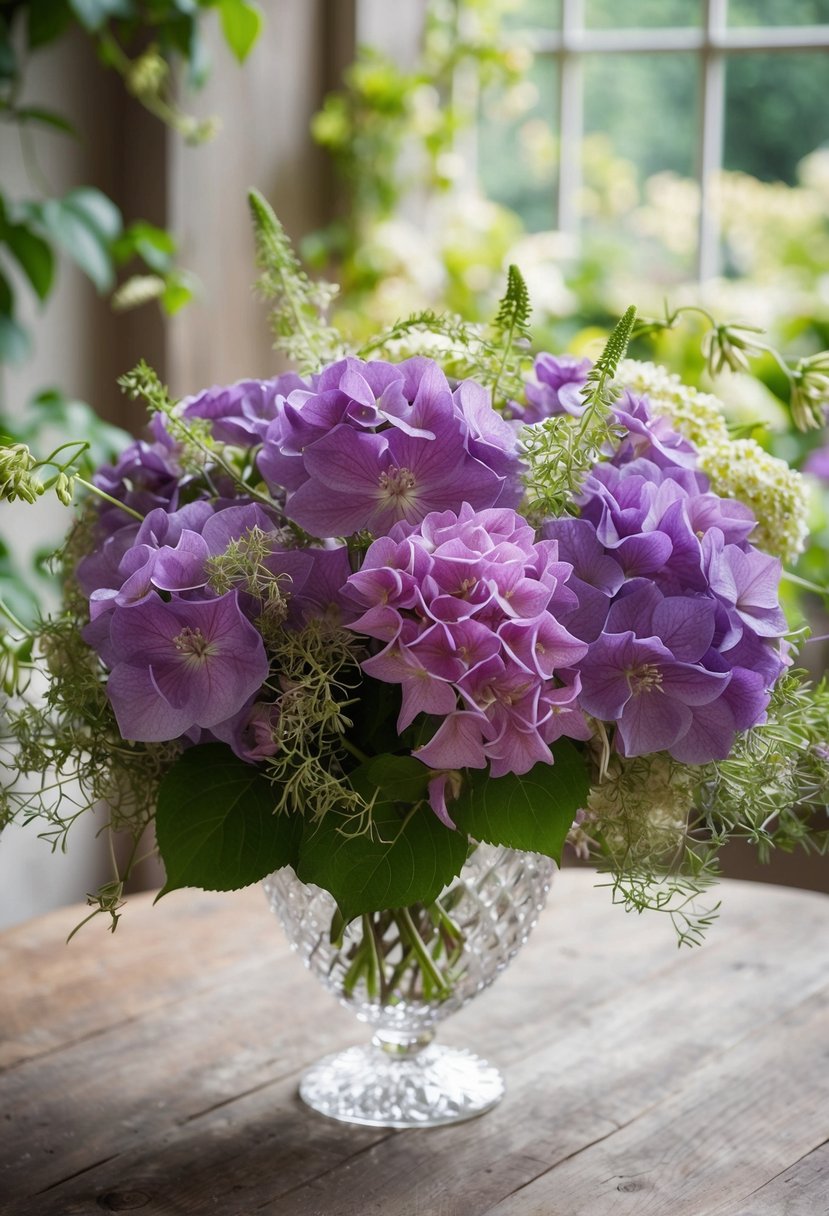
{"type": "Point", "coordinates": [778, 12]}
{"type": "Point", "coordinates": [518, 151]}
{"type": "Point", "coordinates": [534, 15]}
{"type": "Point", "coordinates": [656, 14]}
{"type": "Point", "coordinates": [637, 171]}
{"type": "Point", "coordinates": [647, 105]}
{"type": "Point", "coordinates": [776, 112]}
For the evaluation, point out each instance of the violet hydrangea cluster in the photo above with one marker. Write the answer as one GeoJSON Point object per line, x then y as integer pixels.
{"type": "Point", "coordinates": [647, 609]}
{"type": "Point", "coordinates": [680, 611]}
{"type": "Point", "coordinates": [370, 444]}
{"type": "Point", "coordinates": [467, 606]}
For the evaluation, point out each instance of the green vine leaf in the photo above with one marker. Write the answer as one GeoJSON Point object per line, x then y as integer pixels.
{"type": "Point", "coordinates": [215, 823]}
{"type": "Point", "coordinates": [34, 257]}
{"type": "Point", "coordinates": [241, 25]}
{"type": "Point", "coordinates": [533, 812]}
{"type": "Point", "coordinates": [390, 863]}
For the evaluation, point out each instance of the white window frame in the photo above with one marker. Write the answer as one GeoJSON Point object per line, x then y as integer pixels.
{"type": "Point", "coordinates": [713, 42]}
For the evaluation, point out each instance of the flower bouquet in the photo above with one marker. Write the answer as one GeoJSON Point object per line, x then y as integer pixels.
{"type": "Point", "coordinates": [391, 631]}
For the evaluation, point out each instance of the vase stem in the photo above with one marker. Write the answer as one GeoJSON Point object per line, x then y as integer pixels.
{"type": "Point", "coordinates": [400, 1043]}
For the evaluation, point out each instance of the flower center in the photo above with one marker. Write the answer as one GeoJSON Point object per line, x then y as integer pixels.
{"type": "Point", "coordinates": [397, 484]}
{"type": "Point", "coordinates": [646, 678]}
{"type": "Point", "coordinates": [191, 643]}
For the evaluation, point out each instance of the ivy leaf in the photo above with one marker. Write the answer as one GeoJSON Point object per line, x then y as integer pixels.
{"type": "Point", "coordinates": [533, 812]}
{"type": "Point", "coordinates": [397, 863]}
{"type": "Point", "coordinates": [215, 823]}
{"type": "Point", "coordinates": [34, 256]}
{"type": "Point", "coordinates": [241, 25]}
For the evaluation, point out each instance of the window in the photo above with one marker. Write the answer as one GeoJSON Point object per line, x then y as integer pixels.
{"type": "Point", "coordinates": [684, 86]}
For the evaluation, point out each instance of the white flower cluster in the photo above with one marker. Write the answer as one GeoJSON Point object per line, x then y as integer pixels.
{"type": "Point", "coordinates": [737, 468]}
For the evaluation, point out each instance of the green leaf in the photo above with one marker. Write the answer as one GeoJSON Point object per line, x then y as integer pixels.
{"type": "Point", "coordinates": [15, 343]}
{"type": "Point", "coordinates": [215, 824]}
{"type": "Point", "coordinates": [398, 778]}
{"type": "Point", "coordinates": [155, 245]}
{"type": "Point", "coordinates": [397, 863]}
{"type": "Point", "coordinates": [6, 296]}
{"type": "Point", "coordinates": [83, 243]}
{"type": "Point", "coordinates": [47, 21]}
{"type": "Point", "coordinates": [99, 212]}
{"type": "Point", "coordinates": [47, 118]}
{"type": "Point", "coordinates": [533, 812]}
{"type": "Point", "coordinates": [241, 25]}
{"type": "Point", "coordinates": [94, 13]}
{"type": "Point", "coordinates": [34, 256]}
{"type": "Point", "coordinates": [178, 292]}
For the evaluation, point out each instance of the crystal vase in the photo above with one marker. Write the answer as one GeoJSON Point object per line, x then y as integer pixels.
{"type": "Point", "coordinates": [402, 971]}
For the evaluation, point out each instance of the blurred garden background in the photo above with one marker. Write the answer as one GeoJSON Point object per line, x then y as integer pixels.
{"type": "Point", "coordinates": [659, 151]}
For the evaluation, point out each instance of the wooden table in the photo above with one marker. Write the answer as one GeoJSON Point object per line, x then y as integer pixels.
{"type": "Point", "coordinates": [156, 1071]}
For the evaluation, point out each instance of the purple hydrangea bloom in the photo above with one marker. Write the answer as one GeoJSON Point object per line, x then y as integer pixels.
{"type": "Point", "coordinates": [679, 553]}
{"type": "Point", "coordinates": [240, 413]}
{"type": "Point", "coordinates": [650, 436]}
{"type": "Point", "coordinates": [646, 674]}
{"type": "Point", "coordinates": [556, 388]}
{"type": "Point", "coordinates": [182, 665]}
{"type": "Point", "coordinates": [466, 604]}
{"type": "Point", "coordinates": [376, 443]}
{"type": "Point", "coordinates": [146, 475]}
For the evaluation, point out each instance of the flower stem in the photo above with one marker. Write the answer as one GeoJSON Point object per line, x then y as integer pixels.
{"type": "Point", "coordinates": [108, 498]}
{"type": "Point", "coordinates": [7, 612]}
{"type": "Point", "coordinates": [431, 972]}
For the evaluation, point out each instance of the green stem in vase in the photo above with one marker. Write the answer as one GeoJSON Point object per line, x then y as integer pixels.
{"type": "Point", "coordinates": [374, 969]}
{"type": "Point", "coordinates": [434, 981]}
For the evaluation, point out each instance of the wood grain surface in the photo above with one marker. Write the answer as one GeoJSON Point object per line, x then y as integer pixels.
{"type": "Point", "coordinates": [155, 1071]}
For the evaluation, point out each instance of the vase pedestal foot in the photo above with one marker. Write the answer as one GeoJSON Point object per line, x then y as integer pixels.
{"type": "Point", "coordinates": [431, 1087]}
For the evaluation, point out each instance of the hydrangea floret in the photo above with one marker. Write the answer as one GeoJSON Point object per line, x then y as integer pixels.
{"type": "Point", "coordinates": [365, 595]}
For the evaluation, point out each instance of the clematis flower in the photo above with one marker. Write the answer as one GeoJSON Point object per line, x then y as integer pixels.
{"type": "Point", "coordinates": [182, 665]}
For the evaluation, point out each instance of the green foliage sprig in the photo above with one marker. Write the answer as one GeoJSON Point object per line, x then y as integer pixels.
{"type": "Point", "coordinates": [512, 329]}
{"type": "Point", "coordinates": [297, 305]}
{"type": "Point", "coordinates": [561, 450]}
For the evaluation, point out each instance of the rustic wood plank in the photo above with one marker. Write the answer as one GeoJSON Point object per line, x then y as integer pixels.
{"type": "Point", "coordinates": [54, 992]}
{"type": "Point", "coordinates": [590, 977]}
{"type": "Point", "coordinates": [801, 1190]}
{"type": "Point", "coordinates": [743, 1116]}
